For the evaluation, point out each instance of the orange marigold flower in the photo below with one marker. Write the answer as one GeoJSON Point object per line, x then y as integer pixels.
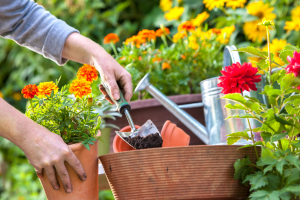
{"type": "Point", "coordinates": [111, 37]}
{"type": "Point", "coordinates": [166, 66]}
{"type": "Point", "coordinates": [216, 30]}
{"type": "Point", "coordinates": [160, 32]}
{"type": "Point", "coordinates": [140, 58]}
{"type": "Point", "coordinates": [156, 59]}
{"type": "Point", "coordinates": [186, 26]}
{"type": "Point", "coordinates": [183, 56]}
{"type": "Point", "coordinates": [80, 88]}
{"type": "Point", "coordinates": [147, 34]}
{"type": "Point", "coordinates": [135, 40]}
{"type": "Point", "coordinates": [29, 91]}
{"type": "Point", "coordinates": [178, 36]}
{"type": "Point", "coordinates": [46, 89]}
{"type": "Point", "coordinates": [88, 73]}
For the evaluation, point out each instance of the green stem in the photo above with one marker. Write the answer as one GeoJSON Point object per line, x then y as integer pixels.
{"type": "Point", "coordinates": [269, 54]}
{"type": "Point", "coordinates": [252, 137]}
{"type": "Point", "coordinates": [30, 100]}
{"type": "Point", "coordinates": [261, 121]}
{"type": "Point", "coordinates": [163, 37]}
{"type": "Point", "coordinates": [114, 48]}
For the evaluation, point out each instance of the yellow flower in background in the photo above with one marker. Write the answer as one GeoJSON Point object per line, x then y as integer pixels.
{"type": "Point", "coordinates": [200, 18]}
{"type": "Point", "coordinates": [165, 5]}
{"type": "Point", "coordinates": [225, 34]}
{"type": "Point", "coordinates": [1, 95]}
{"type": "Point", "coordinates": [292, 25]}
{"type": "Point", "coordinates": [174, 13]}
{"type": "Point", "coordinates": [275, 46]}
{"type": "Point", "coordinates": [235, 3]}
{"type": "Point", "coordinates": [254, 32]}
{"type": "Point", "coordinates": [296, 13]}
{"type": "Point", "coordinates": [179, 36]}
{"type": "Point", "coordinates": [46, 89]}
{"type": "Point", "coordinates": [211, 4]}
{"type": "Point", "coordinates": [193, 43]}
{"type": "Point", "coordinates": [261, 10]}
{"type": "Point", "coordinates": [17, 96]}
{"type": "Point", "coordinates": [203, 35]}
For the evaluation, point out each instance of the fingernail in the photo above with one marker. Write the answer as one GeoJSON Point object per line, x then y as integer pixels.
{"type": "Point", "coordinates": [56, 187]}
{"type": "Point", "coordinates": [116, 96]}
{"type": "Point", "coordinates": [68, 189]}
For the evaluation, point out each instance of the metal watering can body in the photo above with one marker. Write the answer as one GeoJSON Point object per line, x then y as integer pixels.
{"type": "Point", "coordinates": [214, 111]}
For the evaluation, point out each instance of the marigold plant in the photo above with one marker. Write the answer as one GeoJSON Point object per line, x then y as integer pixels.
{"type": "Point", "coordinates": [88, 73]}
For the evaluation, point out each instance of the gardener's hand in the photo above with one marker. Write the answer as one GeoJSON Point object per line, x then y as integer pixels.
{"type": "Point", "coordinates": [47, 151]}
{"type": "Point", "coordinates": [83, 50]}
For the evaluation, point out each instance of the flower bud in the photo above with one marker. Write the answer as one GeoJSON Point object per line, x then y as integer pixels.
{"type": "Point", "coordinates": [99, 104]}
{"type": "Point", "coordinates": [90, 102]}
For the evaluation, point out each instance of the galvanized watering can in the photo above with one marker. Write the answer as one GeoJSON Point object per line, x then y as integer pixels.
{"type": "Point", "coordinates": [214, 111]}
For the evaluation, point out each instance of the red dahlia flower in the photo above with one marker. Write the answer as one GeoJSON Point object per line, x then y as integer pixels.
{"type": "Point", "coordinates": [294, 66]}
{"type": "Point", "coordinates": [238, 78]}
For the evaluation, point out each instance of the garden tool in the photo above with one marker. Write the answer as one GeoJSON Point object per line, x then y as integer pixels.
{"type": "Point", "coordinates": [123, 107]}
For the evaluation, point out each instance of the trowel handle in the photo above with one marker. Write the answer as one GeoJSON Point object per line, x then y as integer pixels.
{"type": "Point", "coordinates": [121, 104]}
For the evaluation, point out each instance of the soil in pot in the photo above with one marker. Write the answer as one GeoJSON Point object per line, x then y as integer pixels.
{"type": "Point", "coordinates": [150, 141]}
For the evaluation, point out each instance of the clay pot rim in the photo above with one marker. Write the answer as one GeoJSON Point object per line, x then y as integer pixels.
{"type": "Point", "coordinates": [191, 146]}
{"type": "Point", "coordinates": [78, 146]}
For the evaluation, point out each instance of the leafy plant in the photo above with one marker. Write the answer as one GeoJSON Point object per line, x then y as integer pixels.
{"type": "Point", "coordinates": [276, 173]}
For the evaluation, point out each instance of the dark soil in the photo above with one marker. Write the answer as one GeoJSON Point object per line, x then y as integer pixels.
{"type": "Point", "coordinates": [150, 141]}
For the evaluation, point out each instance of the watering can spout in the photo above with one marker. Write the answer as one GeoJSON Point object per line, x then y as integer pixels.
{"type": "Point", "coordinates": [196, 127]}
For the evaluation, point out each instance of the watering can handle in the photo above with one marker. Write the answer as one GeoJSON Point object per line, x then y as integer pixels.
{"type": "Point", "coordinates": [230, 53]}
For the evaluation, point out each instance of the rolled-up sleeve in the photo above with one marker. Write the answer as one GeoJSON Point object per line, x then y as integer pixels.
{"type": "Point", "coordinates": [30, 25]}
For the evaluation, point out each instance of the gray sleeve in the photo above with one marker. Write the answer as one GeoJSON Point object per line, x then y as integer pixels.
{"type": "Point", "coordinates": [30, 25]}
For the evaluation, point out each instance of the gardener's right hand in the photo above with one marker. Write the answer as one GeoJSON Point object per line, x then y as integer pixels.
{"type": "Point", "coordinates": [47, 151]}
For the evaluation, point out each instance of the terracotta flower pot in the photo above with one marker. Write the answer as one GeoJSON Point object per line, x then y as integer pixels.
{"type": "Point", "coordinates": [81, 189]}
{"type": "Point", "coordinates": [193, 172]}
{"type": "Point", "coordinates": [172, 137]}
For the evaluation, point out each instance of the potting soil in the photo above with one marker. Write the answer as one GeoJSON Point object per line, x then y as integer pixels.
{"type": "Point", "coordinates": [150, 141]}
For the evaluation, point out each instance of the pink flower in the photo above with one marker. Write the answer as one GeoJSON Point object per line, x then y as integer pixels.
{"type": "Point", "coordinates": [294, 66]}
{"type": "Point", "coordinates": [238, 78]}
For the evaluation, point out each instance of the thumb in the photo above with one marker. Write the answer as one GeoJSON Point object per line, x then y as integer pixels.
{"type": "Point", "coordinates": [114, 89]}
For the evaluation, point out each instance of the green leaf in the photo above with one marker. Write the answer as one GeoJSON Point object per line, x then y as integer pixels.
{"type": "Point", "coordinates": [283, 121]}
{"type": "Point", "coordinates": [295, 189]}
{"type": "Point", "coordinates": [285, 195]}
{"type": "Point", "coordinates": [240, 165]}
{"type": "Point", "coordinates": [236, 106]}
{"type": "Point", "coordinates": [291, 48]}
{"type": "Point", "coordinates": [269, 168]}
{"type": "Point", "coordinates": [285, 144]}
{"type": "Point", "coordinates": [259, 194]}
{"type": "Point", "coordinates": [274, 181]}
{"type": "Point", "coordinates": [291, 98]}
{"type": "Point", "coordinates": [274, 195]}
{"type": "Point", "coordinates": [253, 51]}
{"type": "Point", "coordinates": [262, 64]}
{"type": "Point", "coordinates": [280, 164]}
{"type": "Point", "coordinates": [258, 180]}
{"type": "Point", "coordinates": [284, 54]}
{"type": "Point", "coordinates": [241, 116]}
{"type": "Point", "coordinates": [286, 81]}
{"type": "Point", "coordinates": [267, 156]}
{"type": "Point", "coordinates": [266, 136]}
{"type": "Point", "coordinates": [291, 175]}
{"type": "Point", "coordinates": [237, 97]}
{"type": "Point", "coordinates": [293, 159]}
{"type": "Point", "coordinates": [277, 137]}
{"type": "Point", "coordinates": [87, 146]}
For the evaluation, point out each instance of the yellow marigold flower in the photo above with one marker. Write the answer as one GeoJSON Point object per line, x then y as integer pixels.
{"type": "Point", "coordinates": [200, 18]}
{"type": "Point", "coordinates": [235, 3]}
{"type": "Point", "coordinates": [88, 73]}
{"type": "Point", "coordinates": [275, 46]}
{"type": "Point", "coordinates": [46, 89]}
{"type": "Point", "coordinates": [178, 36]}
{"type": "Point", "coordinates": [203, 35]}
{"type": "Point", "coordinates": [261, 10]}
{"type": "Point", "coordinates": [147, 35]}
{"type": "Point", "coordinates": [80, 88]}
{"type": "Point", "coordinates": [193, 43]}
{"type": "Point", "coordinates": [186, 26]}
{"type": "Point", "coordinates": [296, 13]}
{"type": "Point", "coordinates": [166, 66]}
{"type": "Point", "coordinates": [174, 13]}
{"type": "Point", "coordinates": [16, 96]}
{"type": "Point", "coordinates": [111, 37]}
{"type": "Point", "coordinates": [225, 34]}
{"type": "Point", "coordinates": [165, 5]}
{"type": "Point", "coordinates": [1, 95]}
{"type": "Point", "coordinates": [211, 4]}
{"type": "Point", "coordinates": [254, 32]}
{"type": "Point", "coordinates": [292, 25]}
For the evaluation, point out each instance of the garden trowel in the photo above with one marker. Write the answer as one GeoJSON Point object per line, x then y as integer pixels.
{"type": "Point", "coordinates": [145, 130]}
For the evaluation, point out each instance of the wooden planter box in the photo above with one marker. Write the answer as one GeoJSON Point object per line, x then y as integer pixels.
{"type": "Point", "coordinates": [194, 172]}
{"type": "Point", "coordinates": [142, 110]}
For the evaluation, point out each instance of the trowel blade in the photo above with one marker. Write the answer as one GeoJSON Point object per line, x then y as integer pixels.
{"type": "Point", "coordinates": [147, 129]}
